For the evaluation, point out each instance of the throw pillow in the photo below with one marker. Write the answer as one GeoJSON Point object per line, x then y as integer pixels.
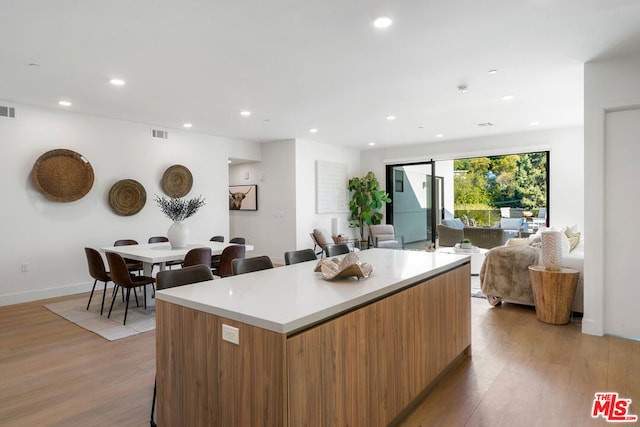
{"type": "Point", "coordinates": [453, 223]}
{"type": "Point", "coordinates": [573, 236]}
{"type": "Point", "coordinates": [511, 223]}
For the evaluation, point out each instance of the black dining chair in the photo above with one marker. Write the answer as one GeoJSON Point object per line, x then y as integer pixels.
{"type": "Point", "coordinates": [302, 255]}
{"type": "Point", "coordinates": [337, 249]}
{"type": "Point", "coordinates": [248, 265]}
{"type": "Point", "coordinates": [217, 239]}
{"type": "Point", "coordinates": [238, 240]}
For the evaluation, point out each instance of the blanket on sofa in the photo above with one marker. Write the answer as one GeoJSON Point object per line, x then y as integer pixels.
{"type": "Point", "coordinates": [505, 273]}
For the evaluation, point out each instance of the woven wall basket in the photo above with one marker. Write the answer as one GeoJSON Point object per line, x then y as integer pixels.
{"type": "Point", "coordinates": [62, 175]}
{"type": "Point", "coordinates": [177, 181]}
{"type": "Point", "coordinates": [127, 197]}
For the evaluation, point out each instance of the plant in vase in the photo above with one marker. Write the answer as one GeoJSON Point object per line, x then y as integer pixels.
{"type": "Point", "coordinates": [366, 202]}
{"type": "Point", "coordinates": [466, 244]}
{"type": "Point", "coordinates": [178, 210]}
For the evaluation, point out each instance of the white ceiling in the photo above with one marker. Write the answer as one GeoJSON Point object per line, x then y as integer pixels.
{"type": "Point", "coordinates": [298, 64]}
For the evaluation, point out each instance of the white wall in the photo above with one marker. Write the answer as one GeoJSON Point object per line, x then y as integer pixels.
{"type": "Point", "coordinates": [611, 85]}
{"type": "Point", "coordinates": [270, 229]}
{"type": "Point", "coordinates": [50, 236]}
{"type": "Point", "coordinates": [566, 163]}
{"type": "Point", "coordinates": [307, 153]}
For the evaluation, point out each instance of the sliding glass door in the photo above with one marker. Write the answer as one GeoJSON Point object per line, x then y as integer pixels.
{"type": "Point", "coordinates": [417, 202]}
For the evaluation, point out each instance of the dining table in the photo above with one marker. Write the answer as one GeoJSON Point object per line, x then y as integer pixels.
{"type": "Point", "coordinates": [161, 253]}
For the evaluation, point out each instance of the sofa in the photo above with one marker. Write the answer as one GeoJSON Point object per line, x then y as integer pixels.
{"type": "Point", "coordinates": [504, 275]}
{"type": "Point", "coordinates": [452, 231]}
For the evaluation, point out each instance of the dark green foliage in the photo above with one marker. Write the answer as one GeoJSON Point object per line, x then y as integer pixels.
{"type": "Point", "coordinates": [515, 180]}
{"type": "Point", "coordinates": [178, 209]}
{"type": "Point", "coordinates": [366, 201]}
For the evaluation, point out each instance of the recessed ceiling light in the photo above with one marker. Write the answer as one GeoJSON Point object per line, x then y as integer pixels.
{"type": "Point", "coordinates": [390, 118]}
{"type": "Point", "coordinates": [534, 123]}
{"type": "Point", "coordinates": [494, 71]}
{"type": "Point", "coordinates": [64, 103]}
{"type": "Point", "coordinates": [382, 22]}
{"type": "Point", "coordinates": [508, 97]}
{"type": "Point", "coordinates": [187, 125]}
{"type": "Point", "coordinates": [245, 113]}
{"type": "Point", "coordinates": [439, 135]}
{"type": "Point", "coordinates": [229, 161]}
{"type": "Point", "coordinates": [371, 144]}
{"type": "Point", "coordinates": [117, 82]}
{"type": "Point", "coordinates": [313, 130]}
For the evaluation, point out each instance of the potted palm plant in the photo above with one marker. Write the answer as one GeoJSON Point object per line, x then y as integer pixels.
{"type": "Point", "coordinates": [366, 202]}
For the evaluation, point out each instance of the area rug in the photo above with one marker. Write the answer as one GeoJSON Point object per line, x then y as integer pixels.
{"type": "Point", "coordinates": [138, 319]}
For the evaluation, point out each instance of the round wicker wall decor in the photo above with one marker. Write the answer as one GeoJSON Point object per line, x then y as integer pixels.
{"type": "Point", "coordinates": [127, 197]}
{"type": "Point", "coordinates": [62, 175]}
{"type": "Point", "coordinates": [177, 181]}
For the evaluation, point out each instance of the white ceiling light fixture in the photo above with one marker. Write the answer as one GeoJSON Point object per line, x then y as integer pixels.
{"type": "Point", "coordinates": [493, 71]}
{"type": "Point", "coordinates": [313, 130]}
{"type": "Point", "coordinates": [382, 22]}
{"type": "Point", "coordinates": [439, 135]}
{"type": "Point", "coordinates": [535, 123]}
{"type": "Point", "coordinates": [508, 97]}
{"type": "Point", "coordinates": [187, 125]}
{"type": "Point", "coordinates": [117, 82]}
{"type": "Point", "coordinates": [390, 118]}
{"type": "Point", "coordinates": [245, 113]}
{"type": "Point", "coordinates": [371, 144]}
{"type": "Point", "coordinates": [64, 103]}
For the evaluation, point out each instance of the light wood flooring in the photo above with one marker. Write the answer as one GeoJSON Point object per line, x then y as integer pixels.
{"type": "Point", "coordinates": [522, 373]}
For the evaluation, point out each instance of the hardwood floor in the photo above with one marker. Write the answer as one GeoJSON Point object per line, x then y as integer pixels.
{"type": "Point", "coordinates": [522, 373]}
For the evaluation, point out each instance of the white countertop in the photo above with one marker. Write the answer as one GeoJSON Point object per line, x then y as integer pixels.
{"type": "Point", "coordinates": [290, 298]}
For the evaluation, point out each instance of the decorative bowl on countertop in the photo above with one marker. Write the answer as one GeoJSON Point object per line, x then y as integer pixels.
{"type": "Point", "coordinates": [347, 267]}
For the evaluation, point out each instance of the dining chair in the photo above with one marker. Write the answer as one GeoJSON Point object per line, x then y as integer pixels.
{"type": "Point", "coordinates": [123, 279]}
{"type": "Point", "coordinates": [228, 254]}
{"type": "Point", "coordinates": [132, 264]}
{"type": "Point", "coordinates": [171, 279]}
{"type": "Point", "coordinates": [162, 239]}
{"type": "Point", "coordinates": [197, 256]}
{"type": "Point", "coordinates": [215, 259]}
{"type": "Point", "coordinates": [238, 240]}
{"type": "Point", "coordinates": [302, 255]}
{"type": "Point", "coordinates": [98, 272]}
{"type": "Point", "coordinates": [337, 249]}
{"type": "Point", "coordinates": [248, 265]}
{"type": "Point", "coordinates": [217, 239]}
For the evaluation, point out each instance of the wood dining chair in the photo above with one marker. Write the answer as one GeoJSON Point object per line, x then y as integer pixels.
{"type": "Point", "coordinates": [98, 272]}
{"type": "Point", "coordinates": [123, 279]}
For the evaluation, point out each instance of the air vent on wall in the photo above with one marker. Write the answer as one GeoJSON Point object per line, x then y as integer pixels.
{"type": "Point", "coordinates": [156, 133]}
{"type": "Point", "coordinates": [7, 111]}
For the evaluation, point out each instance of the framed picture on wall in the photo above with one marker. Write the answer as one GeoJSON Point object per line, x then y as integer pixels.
{"type": "Point", "coordinates": [243, 197]}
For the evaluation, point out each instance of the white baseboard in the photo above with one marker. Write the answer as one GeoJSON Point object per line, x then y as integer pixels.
{"type": "Point", "coordinates": [39, 294]}
{"type": "Point", "coordinates": [590, 327]}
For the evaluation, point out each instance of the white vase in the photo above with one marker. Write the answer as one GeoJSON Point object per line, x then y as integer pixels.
{"type": "Point", "coordinates": [178, 235]}
{"type": "Point", "coordinates": [551, 250]}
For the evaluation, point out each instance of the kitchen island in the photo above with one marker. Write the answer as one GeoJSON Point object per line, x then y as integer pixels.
{"type": "Point", "coordinates": [309, 351]}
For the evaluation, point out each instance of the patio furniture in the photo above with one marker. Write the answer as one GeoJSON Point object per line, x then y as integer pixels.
{"type": "Point", "coordinates": [384, 236]}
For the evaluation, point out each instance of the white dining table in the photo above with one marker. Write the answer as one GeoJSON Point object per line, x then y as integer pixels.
{"type": "Point", "coordinates": [161, 253]}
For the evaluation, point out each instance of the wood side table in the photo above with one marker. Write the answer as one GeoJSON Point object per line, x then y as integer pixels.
{"type": "Point", "coordinates": [553, 293]}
